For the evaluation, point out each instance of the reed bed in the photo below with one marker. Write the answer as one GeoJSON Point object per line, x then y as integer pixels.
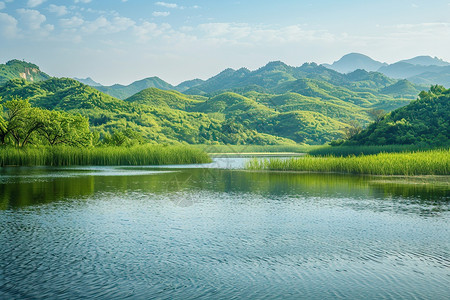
{"type": "Point", "coordinates": [237, 149]}
{"type": "Point", "coordinates": [365, 150]}
{"type": "Point", "coordinates": [433, 162]}
{"type": "Point", "coordinates": [101, 156]}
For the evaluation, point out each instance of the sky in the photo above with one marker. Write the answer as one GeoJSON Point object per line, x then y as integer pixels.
{"type": "Point", "coordinates": [120, 41]}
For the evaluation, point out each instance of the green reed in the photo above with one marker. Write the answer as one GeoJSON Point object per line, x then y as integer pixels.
{"type": "Point", "coordinates": [433, 162]}
{"type": "Point", "coordinates": [237, 149]}
{"type": "Point", "coordinates": [364, 150]}
{"type": "Point", "coordinates": [101, 156]}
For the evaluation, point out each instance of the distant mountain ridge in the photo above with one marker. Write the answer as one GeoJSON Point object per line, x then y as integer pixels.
{"type": "Point", "coordinates": [420, 69]}
{"type": "Point", "coordinates": [88, 81]}
{"type": "Point", "coordinates": [125, 91]}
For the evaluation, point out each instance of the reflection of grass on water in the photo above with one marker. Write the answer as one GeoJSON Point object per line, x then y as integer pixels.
{"type": "Point", "coordinates": [433, 162]}
{"type": "Point", "coordinates": [102, 156]}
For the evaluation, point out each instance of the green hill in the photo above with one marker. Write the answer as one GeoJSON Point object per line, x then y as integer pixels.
{"type": "Point", "coordinates": [401, 88]}
{"type": "Point", "coordinates": [167, 99]}
{"type": "Point", "coordinates": [425, 121]}
{"type": "Point", "coordinates": [20, 69]}
{"type": "Point", "coordinates": [155, 124]}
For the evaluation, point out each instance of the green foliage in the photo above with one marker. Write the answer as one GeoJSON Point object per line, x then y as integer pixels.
{"type": "Point", "coordinates": [101, 156]}
{"type": "Point", "coordinates": [166, 99]}
{"type": "Point", "coordinates": [435, 162]}
{"type": "Point", "coordinates": [21, 124]}
{"type": "Point", "coordinates": [425, 121]}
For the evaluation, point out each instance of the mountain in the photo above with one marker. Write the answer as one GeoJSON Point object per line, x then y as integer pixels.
{"type": "Point", "coordinates": [274, 104]}
{"type": "Point", "coordinates": [353, 61]}
{"type": "Point", "coordinates": [88, 81]}
{"type": "Point", "coordinates": [403, 70]}
{"type": "Point", "coordinates": [426, 61]}
{"type": "Point", "coordinates": [185, 85]}
{"type": "Point", "coordinates": [425, 121]}
{"type": "Point", "coordinates": [21, 69]}
{"type": "Point", "coordinates": [125, 91]}
{"type": "Point", "coordinates": [440, 76]}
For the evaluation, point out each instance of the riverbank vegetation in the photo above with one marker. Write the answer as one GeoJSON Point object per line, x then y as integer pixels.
{"type": "Point", "coordinates": [101, 156]}
{"type": "Point", "coordinates": [433, 162]}
{"type": "Point", "coordinates": [242, 149]}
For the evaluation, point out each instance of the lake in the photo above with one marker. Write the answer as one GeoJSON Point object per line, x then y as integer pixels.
{"type": "Point", "coordinates": [216, 231]}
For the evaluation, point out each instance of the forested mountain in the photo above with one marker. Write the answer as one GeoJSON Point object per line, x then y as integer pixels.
{"type": "Point", "coordinates": [125, 91]}
{"type": "Point", "coordinates": [425, 121]}
{"type": "Point", "coordinates": [20, 69]}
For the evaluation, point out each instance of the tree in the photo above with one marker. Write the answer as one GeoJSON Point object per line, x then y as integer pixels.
{"type": "Point", "coordinates": [64, 128]}
{"type": "Point", "coordinates": [352, 129]}
{"type": "Point", "coordinates": [22, 121]}
{"type": "Point", "coordinates": [376, 114]}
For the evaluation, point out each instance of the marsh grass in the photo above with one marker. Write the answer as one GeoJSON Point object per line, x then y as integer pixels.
{"type": "Point", "coordinates": [433, 162]}
{"type": "Point", "coordinates": [101, 156]}
{"type": "Point", "coordinates": [364, 150]}
{"type": "Point", "coordinates": [237, 149]}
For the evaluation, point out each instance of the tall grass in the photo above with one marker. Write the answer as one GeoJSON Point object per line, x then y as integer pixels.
{"type": "Point", "coordinates": [364, 150]}
{"type": "Point", "coordinates": [101, 156]}
{"type": "Point", "coordinates": [433, 162]}
{"type": "Point", "coordinates": [237, 149]}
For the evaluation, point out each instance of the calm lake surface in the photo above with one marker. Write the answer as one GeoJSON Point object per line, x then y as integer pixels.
{"type": "Point", "coordinates": [219, 232]}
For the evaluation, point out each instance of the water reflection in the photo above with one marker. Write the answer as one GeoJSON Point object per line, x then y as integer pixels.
{"type": "Point", "coordinates": [20, 187]}
{"type": "Point", "coordinates": [202, 233]}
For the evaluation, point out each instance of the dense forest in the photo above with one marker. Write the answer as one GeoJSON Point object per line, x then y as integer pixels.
{"type": "Point", "coordinates": [425, 121]}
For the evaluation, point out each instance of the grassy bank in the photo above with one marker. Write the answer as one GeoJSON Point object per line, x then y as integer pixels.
{"type": "Point", "coordinates": [433, 162]}
{"type": "Point", "coordinates": [101, 156]}
{"type": "Point", "coordinates": [237, 149]}
{"type": "Point", "coordinates": [364, 150]}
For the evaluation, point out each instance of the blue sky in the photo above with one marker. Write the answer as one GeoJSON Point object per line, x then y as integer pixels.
{"type": "Point", "coordinates": [118, 41]}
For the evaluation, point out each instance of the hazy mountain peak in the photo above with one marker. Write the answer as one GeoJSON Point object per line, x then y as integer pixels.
{"type": "Point", "coordinates": [88, 81]}
{"type": "Point", "coordinates": [425, 60]}
{"type": "Point", "coordinates": [353, 61]}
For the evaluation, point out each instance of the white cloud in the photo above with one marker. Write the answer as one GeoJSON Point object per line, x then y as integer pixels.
{"type": "Point", "coordinates": [8, 26]}
{"type": "Point", "coordinates": [2, 5]}
{"type": "Point", "coordinates": [72, 22]}
{"type": "Point", "coordinates": [169, 5]}
{"type": "Point", "coordinates": [161, 13]}
{"type": "Point", "coordinates": [34, 3]}
{"type": "Point", "coordinates": [104, 26]}
{"type": "Point", "coordinates": [33, 20]}
{"type": "Point", "coordinates": [58, 10]}
{"type": "Point", "coordinates": [147, 31]}
{"type": "Point", "coordinates": [246, 33]}
{"type": "Point", "coordinates": [82, 1]}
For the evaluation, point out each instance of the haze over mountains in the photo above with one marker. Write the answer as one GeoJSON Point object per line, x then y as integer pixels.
{"type": "Point", "coordinates": [421, 70]}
